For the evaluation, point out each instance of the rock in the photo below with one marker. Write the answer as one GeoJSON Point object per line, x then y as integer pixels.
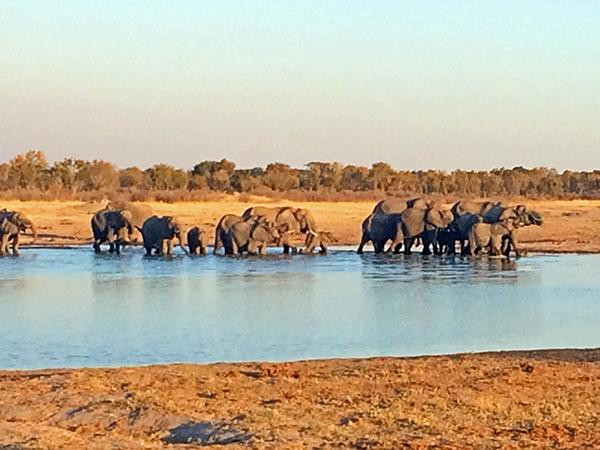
{"type": "Point", "coordinates": [206, 433]}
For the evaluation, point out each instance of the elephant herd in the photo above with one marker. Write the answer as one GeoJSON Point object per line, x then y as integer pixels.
{"type": "Point", "coordinates": [474, 226]}
{"type": "Point", "coordinates": [252, 232]}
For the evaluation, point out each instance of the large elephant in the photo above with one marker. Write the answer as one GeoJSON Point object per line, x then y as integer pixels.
{"type": "Point", "coordinates": [112, 226]}
{"type": "Point", "coordinates": [421, 223]}
{"type": "Point", "coordinates": [222, 229]}
{"type": "Point", "coordinates": [159, 234]}
{"type": "Point", "coordinates": [381, 225]}
{"type": "Point", "coordinates": [252, 236]}
{"type": "Point", "coordinates": [12, 223]}
{"type": "Point", "coordinates": [288, 220]}
{"type": "Point", "coordinates": [379, 228]}
{"type": "Point", "coordinates": [197, 241]}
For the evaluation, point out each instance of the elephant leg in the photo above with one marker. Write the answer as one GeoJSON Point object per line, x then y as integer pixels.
{"type": "Point", "coordinates": [286, 249]}
{"type": "Point", "coordinates": [15, 245]}
{"type": "Point", "coordinates": [148, 250]}
{"type": "Point", "coordinates": [164, 247]}
{"type": "Point", "coordinates": [234, 250]}
{"type": "Point", "coordinates": [514, 243]}
{"type": "Point", "coordinates": [408, 243]}
{"type": "Point", "coordinates": [218, 242]}
{"type": "Point", "coordinates": [263, 249]}
{"type": "Point", "coordinates": [472, 245]}
{"type": "Point", "coordinates": [365, 238]}
{"type": "Point", "coordinates": [4, 244]}
{"type": "Point", "coordinates": [506, 246]}
{"type": "Point", "coordinates": [169, 247]}
{"type": "Point", "coordinates": [379, 246]}
{"type": "Point", "coordinates": [426, 246]}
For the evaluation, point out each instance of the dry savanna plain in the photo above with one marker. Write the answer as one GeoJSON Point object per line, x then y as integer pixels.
{"type": "Point", "coordinates": [545, 399]}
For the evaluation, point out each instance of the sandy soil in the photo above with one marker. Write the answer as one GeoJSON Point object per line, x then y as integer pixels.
{"type": "Point", "coordinates": [570, 226]}
{"type": "Point", "coordinates": [498, 400]}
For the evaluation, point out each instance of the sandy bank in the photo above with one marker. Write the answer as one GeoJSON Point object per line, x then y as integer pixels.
{"type": "Point", "coordinates": [494, 400]}
{"type": "Point", "coordinates": [570, 226]}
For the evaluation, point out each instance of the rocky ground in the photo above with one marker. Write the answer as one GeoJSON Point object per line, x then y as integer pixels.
{"type": "Point", "coordinates": [544, 399]}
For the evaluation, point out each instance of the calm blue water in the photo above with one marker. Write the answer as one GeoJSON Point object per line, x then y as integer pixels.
{"type": "Point", "coordinates": [73, 308]}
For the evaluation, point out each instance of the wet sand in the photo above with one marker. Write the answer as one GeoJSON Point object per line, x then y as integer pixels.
{"type": "Point", "coordinates": [496, 400]}
{"type": "Point", "coordinates": [570, 226]}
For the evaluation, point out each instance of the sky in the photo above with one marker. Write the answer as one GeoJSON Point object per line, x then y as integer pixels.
{"type": "Point", "coordinates": [419, 84]}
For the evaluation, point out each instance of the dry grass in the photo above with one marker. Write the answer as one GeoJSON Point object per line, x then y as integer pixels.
{"type": "Point", "coordinates": [504, 400]}
{"type": "Point", "coordinates": [570, 225]}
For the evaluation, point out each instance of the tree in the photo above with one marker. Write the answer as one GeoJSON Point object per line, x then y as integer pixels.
{"type": "Point", "coordinates": [382, 176]}
{"type": "Point", "coordinates": [280, 177]}
{"type": "Point", "coordinates": [98, 175]}
{"type": "Point", "coordinates": [133, 177]}
{"type": "Point", "coordinates": [27, 169]}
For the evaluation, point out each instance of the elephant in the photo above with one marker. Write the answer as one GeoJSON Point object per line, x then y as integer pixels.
{"type": "Point", "coordinates": [446, 240]}
{"type": "Point", "coordinates": [518, 216]}
{"type": "Point", "coordinates": [421, 223]}
{"type": "Point", "coordinates": [158, 234]}
{"type": "Point", "coordinates": [12, 223]}
{"type": "Point", "coordinates": [469, 207]}
{"type": "Point", "coordinates": [381, 225]}
{"type": "Point", "coordinates": [197, 241]}
{"type": "Point", "coordinates": [489, 235]}
{"type": "Point", "coordinates": [379, 228]}
{"type": "Point", "coordinates": [252, 236]}
{"type": "Point", "coordinates": [221, 230]}
{"type": "Point", "coordinates": [460, 227]}
{"type": "Point", "coordinates": [223, 227]}
{"type": "Point", "coordinates": [321, 239]}
{"type": "Point", "coordinates": [112, 226]}
{"type": "Point", "coordinates": [288, 219]}
{"type": "Point", "coordinates": [388, 222]}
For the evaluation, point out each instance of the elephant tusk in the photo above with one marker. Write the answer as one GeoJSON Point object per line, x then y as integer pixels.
{"type": "Point", "coordinates": [312, 232]}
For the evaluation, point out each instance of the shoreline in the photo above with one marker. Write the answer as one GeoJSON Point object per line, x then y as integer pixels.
{"type": "Point", "coordinates": [570, 226]}
{"type": "Point", "coordinates": [505, 399]}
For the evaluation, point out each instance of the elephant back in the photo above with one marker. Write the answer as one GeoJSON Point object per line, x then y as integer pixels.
{"type": "Point", "coordinates": [390, 206]}
{"type": "Point", "coordinates": [266, 211]}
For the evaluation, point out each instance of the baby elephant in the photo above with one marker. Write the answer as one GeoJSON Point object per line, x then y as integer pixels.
{"type": "Point", "coordinates": [320, 239]}
{"type": "Point", "coordinates": [252, 236]}
{"type": "Point", "coordinates": [197, 241]}
{"type": "Point", "coordinates": [492, 235]}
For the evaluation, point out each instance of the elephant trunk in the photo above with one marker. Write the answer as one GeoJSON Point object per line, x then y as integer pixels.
{"type": "Point", "coordinates": [29, 224]}
{"type": "Point", "coordinates": [182, 244]}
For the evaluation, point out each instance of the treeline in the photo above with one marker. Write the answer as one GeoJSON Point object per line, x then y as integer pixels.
{"type": "Point", "coordinates": [30, 176]}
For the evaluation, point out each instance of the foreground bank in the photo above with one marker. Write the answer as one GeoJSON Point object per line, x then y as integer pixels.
{"type": "Point", "coordinates": [544, 398]}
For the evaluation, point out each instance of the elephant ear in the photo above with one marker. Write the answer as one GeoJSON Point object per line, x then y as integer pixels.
{"type": "Point", "coordinates": [435, 217]}
{"type": "Point", "coordinates": [127, 215]}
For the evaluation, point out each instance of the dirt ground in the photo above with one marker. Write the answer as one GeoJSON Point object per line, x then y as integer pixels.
{"type": "Point", "coordinates": [570, 226]}
{"type": "Point", "coordinates": [545, 399]}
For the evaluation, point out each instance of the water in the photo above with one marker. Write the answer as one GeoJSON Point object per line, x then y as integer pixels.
{"type": "Point", "coordinates": [71, 308]}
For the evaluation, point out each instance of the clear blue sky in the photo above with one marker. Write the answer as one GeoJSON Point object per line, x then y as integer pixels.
{"type": "Point", "coordinates": [420, 84]}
